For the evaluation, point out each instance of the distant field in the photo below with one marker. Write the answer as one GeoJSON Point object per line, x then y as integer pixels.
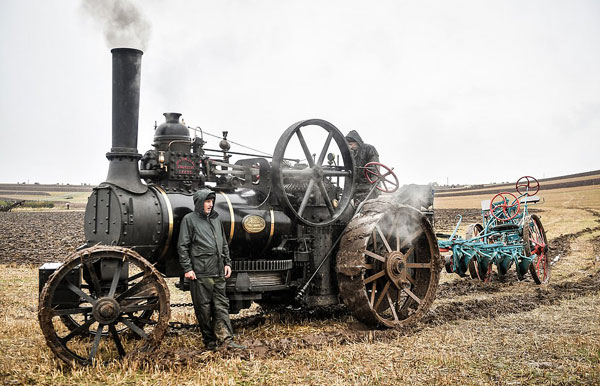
{"type": "Point", "coordinates": [60, 195]}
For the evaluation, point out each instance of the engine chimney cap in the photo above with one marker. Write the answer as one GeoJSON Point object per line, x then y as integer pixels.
{"type": "Point", "coordinates": [120, 49]}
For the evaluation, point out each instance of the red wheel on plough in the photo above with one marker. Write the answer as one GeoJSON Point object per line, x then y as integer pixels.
{"type": "Point", "coordinates": [374, 175]}
{"type": "Point", "coordinates": [527, 183]}
{"type": "Point", "coordinates": [501, 210]}
{"type": "Point", "coordinates": [536, 243]}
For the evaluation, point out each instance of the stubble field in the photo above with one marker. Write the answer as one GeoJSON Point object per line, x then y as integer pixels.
{"type": "Point", "coordinates": [503, 332]}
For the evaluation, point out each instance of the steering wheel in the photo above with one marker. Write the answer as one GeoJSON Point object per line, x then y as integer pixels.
{"type": "Point", "coordinates": [527, 183]}
{"type": "Point", "coordinates": [296, 186]}
{"type": "Point", "coordinates": [502, 210]}
{"type": "Point", "coordinates": [373, 172]}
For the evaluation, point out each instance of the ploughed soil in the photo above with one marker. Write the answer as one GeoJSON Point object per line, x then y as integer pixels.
{"type": "Point", "coordinates": [30, 237]}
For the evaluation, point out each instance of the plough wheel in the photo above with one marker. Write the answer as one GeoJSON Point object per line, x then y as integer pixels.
{"type": "Point", "coordinates": [388, 264]}
{"type": "Point", "coordinates": [116, 303]}
{"type": "Point", "coordinates": [536, 243]}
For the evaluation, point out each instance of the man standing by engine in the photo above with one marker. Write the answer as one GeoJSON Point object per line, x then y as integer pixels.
{"type": "Point", "coordinates": [362, 153]}
{"type": "Point", "coordinates": [204, 257]}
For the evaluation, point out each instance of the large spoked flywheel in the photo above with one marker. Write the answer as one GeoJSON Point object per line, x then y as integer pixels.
{"type": "Point", "coordinates": [103, 303]}
{"type": "Point", "coordinates": [388, 264]}
{"type": "Point", "coordinates": [314, 191]}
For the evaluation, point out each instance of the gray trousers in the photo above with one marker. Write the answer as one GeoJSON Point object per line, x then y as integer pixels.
{"type": "Point", "coordinates": [212, 309]}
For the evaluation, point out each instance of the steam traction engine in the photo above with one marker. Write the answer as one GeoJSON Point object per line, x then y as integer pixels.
{"type": "Point", "coordinates": [294, 231]}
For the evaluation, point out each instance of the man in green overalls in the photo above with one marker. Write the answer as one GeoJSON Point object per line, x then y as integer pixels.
{"type": "Point", "coordinates": [204, 257]}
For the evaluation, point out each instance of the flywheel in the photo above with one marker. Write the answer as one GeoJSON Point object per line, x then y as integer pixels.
{"type": "Point", "coordinates": [388, 264]}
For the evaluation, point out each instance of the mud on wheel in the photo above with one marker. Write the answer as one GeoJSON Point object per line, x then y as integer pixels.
{"type": "Point", "coordinates": [103, 303]}
{"type": "Point", "coordinates": [388, 264]}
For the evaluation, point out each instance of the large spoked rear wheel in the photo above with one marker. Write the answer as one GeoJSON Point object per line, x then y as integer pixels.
{"type": "Point", "coordinates": [388, 264]}
{"type": "Point", "coordinates": [536, 243]}
{"type": "Point", "coordinates": [103, 303]}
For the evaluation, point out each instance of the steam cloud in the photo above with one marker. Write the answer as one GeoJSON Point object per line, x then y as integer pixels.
{"type": "Point", "coordinates": [121, 21]}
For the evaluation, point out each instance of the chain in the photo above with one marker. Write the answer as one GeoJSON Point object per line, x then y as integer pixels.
{"type": "Point", "coordinates": [175, 305]}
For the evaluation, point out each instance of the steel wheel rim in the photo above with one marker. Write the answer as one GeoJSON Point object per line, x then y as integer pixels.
{"type": "Point", "coordinates": [109, 332]}
{"type": "Point", "coordinates": [539, 267]}
{"type": "Point", "coordinates": [399, 276]}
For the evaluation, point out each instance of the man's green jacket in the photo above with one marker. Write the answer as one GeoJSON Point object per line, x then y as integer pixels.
{"type": "Point", "coordinates": [202, 245]}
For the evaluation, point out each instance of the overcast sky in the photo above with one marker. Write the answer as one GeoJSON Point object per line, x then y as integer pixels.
{"type": "Point", "coordinates": [464, 91]}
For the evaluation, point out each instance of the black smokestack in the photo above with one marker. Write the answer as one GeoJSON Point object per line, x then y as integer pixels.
{"type": "Point", "coordinates": [123, 168]}
{"type": "Point", "coordinates": [125, 99]}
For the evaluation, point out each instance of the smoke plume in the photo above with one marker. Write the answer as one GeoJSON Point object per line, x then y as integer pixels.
{"type": "Point", "coordinates": [122, 22]}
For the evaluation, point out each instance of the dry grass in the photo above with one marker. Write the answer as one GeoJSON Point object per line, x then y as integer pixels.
{"type": "Point", "coordinates": [499, 333]}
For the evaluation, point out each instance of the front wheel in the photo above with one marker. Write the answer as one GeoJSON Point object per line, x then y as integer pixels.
{"type": "Point", "coordinates": [103, 303]}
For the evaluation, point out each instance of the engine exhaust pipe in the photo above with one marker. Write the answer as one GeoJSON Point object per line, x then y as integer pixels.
{"type": "Point", "coordinates": [123, 157]}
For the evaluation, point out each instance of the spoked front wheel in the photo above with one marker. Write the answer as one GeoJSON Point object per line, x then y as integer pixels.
{"type": "Point", "coordinates": [103, 303]}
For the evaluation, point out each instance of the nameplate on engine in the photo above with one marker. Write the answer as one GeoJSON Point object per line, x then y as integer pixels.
{"type": "Point", "coordinates": [253, 223]}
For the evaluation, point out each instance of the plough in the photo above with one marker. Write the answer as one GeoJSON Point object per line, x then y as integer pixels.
{"type": "Point", "coordinates": [509, 236]}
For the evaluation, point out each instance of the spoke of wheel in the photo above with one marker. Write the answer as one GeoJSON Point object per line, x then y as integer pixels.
{"type": "Point", "coordinates": [369, 266]}
{"type": "Point", "coordinates": [134, 328]}
{"type": "Point", "coordinates": [392, 307]}
{"type": "Point", "coordinates": [384, 184]}
{"type": "Point", "coordinates": [391, 182]}
{"type": "Point", "coordinates": [72, 311]}
{"type": "Point", "coordinates": [135, 288]}
{"type": "Point", "coordinates": [409, 252]}
{"type": "Point", "coordinates": [373, 173]}
{"type": "Point", "coordinates": [77, 331]}
{"type": "Point", "coordinates": [94, 278]}
{"type": "Point", "coordinates": [307, 154]}
{"type": "Point", "coordinates": [412, 295]}
{"type": "Point", "coordinates": [141, 307]}
{"type": "Point", "coordinates": [326, 198]}
{"type": "Point", "coordinates": [385, 242]}
{"type": "Point", "coordinates": [410, 279]}
{"type": "Point", "coordinates": [79, 292]}
{"type": "Point", "coordinates": [374, 277]}
{"type": "Point", "coordinates": [374, 238]}
{"type": "Point", "coordinates": [418, 265]}
{"type": "Point", "coordinates": [115, 336]}
{"type": "Point", "coordinates": [136, 276]}
{"type": "Point", "coordinates": [373, 289]}
{"type": "Point", "coordinates": [115, 280]}
{"type": "Point", "coordinates": [375, 256]}
{"type": "Point", "coordinates": [410, 238]}
{"type": "Point", "coordinates": [325, 148]}
{"type": "Point", "coordinates": [96, 342]}
{"type": "Point", "coordinates": [311, 184]}
{"type": "Point", "coordinates": [382, 295]}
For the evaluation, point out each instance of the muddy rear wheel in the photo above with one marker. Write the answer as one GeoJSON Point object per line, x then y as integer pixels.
{"type": "Point", "coordinates": [388, 264]}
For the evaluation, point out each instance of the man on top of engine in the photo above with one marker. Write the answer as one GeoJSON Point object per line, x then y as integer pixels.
{"type": "Point", "coordinates": [362, 153]}
{"type": "Point", "coordinates": [204, 257]}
